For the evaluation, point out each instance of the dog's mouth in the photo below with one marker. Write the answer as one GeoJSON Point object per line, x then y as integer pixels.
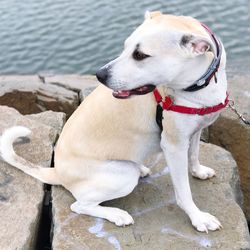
{"type": "Point", "coordinates": [143, 90]}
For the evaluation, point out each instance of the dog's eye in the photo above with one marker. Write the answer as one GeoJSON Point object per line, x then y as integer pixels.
{"type": "Point", "coordinates": [139, 56]}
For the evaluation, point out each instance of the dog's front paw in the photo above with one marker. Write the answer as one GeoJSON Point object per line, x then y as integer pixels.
{"type": "Point", "coordinates": [203, 172]}
{"type": "Point", "coordinates": [120, 217]}
{"type": "Point", "coordinates": [205, 221]}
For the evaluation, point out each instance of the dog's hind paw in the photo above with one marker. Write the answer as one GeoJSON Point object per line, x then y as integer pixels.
{"type": "Point", "coordinates": [205, 221]}
{"type": "Point", "coordinates": [144, 171]}
{"type": "Point", "coordinates": [120, 217]}
{"type": "Point", "coordinates": [203, 172]}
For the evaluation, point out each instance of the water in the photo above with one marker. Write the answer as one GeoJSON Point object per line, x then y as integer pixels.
{"type": "Point", "coordinates": [79, 36]}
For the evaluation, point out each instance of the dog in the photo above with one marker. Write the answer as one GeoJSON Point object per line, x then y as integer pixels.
{"type": "Point", "coordinates": [100, 152]}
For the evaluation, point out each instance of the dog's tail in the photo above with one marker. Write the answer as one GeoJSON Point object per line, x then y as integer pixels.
{"type": "Point", "coordinates": [46, 175]}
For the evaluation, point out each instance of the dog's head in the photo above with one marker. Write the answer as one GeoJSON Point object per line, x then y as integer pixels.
{"type": "Point", "coordinates": [162, 50]}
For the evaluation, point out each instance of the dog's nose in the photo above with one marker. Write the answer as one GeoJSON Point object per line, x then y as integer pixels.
{"type": "Point", "coordinates": [102, 75]}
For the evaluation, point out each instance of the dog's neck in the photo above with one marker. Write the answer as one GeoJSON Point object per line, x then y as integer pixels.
{"type": "Point", "coordinates": [211, 95]}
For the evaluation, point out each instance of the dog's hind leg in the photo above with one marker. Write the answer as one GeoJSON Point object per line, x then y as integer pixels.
{"type": "Point", "coordinates": [197, 170]}
{"type": "Point", "coordinates": [113, 179]}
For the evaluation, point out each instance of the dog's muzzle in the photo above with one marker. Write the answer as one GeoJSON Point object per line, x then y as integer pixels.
{"type": "Point", "coordinates": [102, 75]}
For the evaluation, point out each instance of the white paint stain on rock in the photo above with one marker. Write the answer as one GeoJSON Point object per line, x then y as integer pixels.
{"type": "Point", "coordinates": [99, 232]}
{"type": "Point", "coordinates": [97, 229]}
{"type": "Point", "coordinates": [247, 94]}
{"type": "Point", "coordinates": [113, 240]}
{"type": "Point", "coordinates": [201, 240]}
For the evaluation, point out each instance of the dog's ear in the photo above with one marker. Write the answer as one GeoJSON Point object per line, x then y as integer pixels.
{"type": "Point", "coordinates": [150, 15]}
{"type": "Point", "coordinates": [196, 45]}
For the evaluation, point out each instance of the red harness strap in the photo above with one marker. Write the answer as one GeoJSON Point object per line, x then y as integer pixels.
{"type": "Point", "coordinates": [167, 104]}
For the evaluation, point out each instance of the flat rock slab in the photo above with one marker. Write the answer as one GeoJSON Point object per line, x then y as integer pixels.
{"type": "Point", "coordinates": [231, 133]}
{"type": "Point", "coordinates": [159, 223]}
{"type": "Point", "coordinates": [21, 196]}
{"type": "Point", "coordinates": [83, 84]}
{"type": "Point", "coordinates": [30, 94]}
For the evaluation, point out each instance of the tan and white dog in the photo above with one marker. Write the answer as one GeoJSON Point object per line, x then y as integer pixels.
{"type": "Point", "coordinates": [99, 154]}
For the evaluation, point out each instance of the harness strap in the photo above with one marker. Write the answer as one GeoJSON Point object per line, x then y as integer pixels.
{"type": "Point", "coordinates": [157, 95]}
{"type": "Point", "coordinates": [159, 109]}
{"type": "Point", "coordinates": [167, 104]}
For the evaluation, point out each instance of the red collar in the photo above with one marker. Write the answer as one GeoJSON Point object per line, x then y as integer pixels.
{"type": "Point", "coordinates": [167, 104]}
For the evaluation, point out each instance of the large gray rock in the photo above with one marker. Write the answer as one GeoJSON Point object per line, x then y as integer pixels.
{"type": "Point", "coordinates": [83, 84]}
{"type": "Point", "coordinates": [21, 196]}
{"type": "Point", "coordinates": [50, 118]}
{"type": "Point", "coordinates": [159, 223]}
{"type": "Point", "coordinates": [232, 134]}
{"type": "Point", "coordinates": [30, 94]}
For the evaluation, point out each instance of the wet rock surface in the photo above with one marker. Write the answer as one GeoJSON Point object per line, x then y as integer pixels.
{"type": "Point", "coordinates": [232, 134]}
{"type": "Point", "coordinates": [159, 223]}
{"type": "Point", "coordinates": [21, 196]}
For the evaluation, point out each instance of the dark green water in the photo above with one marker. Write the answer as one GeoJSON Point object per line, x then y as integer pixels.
{"type": "Point", "coordinates": [79, 36]}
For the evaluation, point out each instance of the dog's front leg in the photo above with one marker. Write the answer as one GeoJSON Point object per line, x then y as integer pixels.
{"type": "Point", "coordinates": [197, 170]}
{"type": "Point", "coordinates": [176, 154]}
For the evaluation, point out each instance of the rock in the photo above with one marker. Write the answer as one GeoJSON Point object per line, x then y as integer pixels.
{"type": "Point", "coordinates": [83, 84]}
{"type": "Point", "coordinates": [21, 196]}
{"type": "Point", "coordinates": [50, 119]}
{"type": "Point", "coordinates": [205, 135]}
{"type": "Point", "coordinates": [29, 94]}
{"type": "Point", "coordinates": [159, 223]}
{"type": "Point", "coordinates": [232, 134]}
